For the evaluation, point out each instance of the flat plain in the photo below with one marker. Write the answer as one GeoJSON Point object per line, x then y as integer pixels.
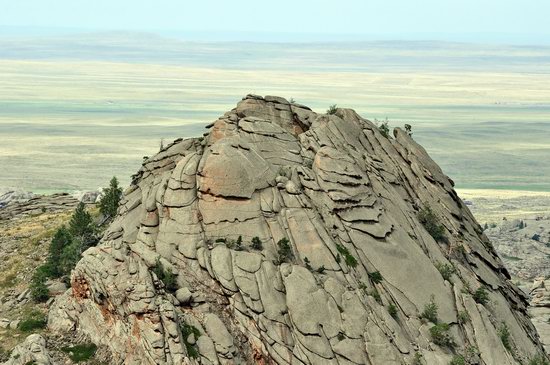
{"type": "Point", "coordinates": [75, 111]}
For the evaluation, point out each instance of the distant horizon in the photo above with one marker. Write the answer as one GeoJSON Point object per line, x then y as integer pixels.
{"type": "Point", "coordinates": [286, 37]}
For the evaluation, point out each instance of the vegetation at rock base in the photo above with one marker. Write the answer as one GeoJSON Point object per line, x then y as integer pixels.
{"type": "Point", "coordinates": [539, 360]}
{"type": "Point", "coordinates": [64, 251]}
{"type": "Point", "coordinates": [463, 317]}
{"type": "Point", "coordinates": [458, 360]}
{"type": "Point", "coordinates": [284, 251]}
{"type": "Point", "coordinates": [430, 311]}
{"type": "Point", "coordinates": [332, 109]}
{"type": "Point", "coordinates": [166, 276]}
{"type": "Point", "coordinates": [417, 360]}
{"type": "Point", "coordinates": [108, 205]}
{"type": "Point", "coordinates": [392, 310]}
{"type": "Point", "coordinates": [39, 290]}
{"type": "Point", "coordinates": [81, 352]}
{"type": "Point", "coordinates": [348, 257]}
{"type": "Point", "coordinates": [440, 335]}
{"type": "Point", "coordinates": [504, 334]}
{"type": "Point", "coordinates": [481, 296]}
{"type": "Point", "coordinates": [446, 271]}
{"type": "Point", "coordinates": [186, 331]}
{"type": "Point", "coordinates": [376, 277]}
{"type": "Point", "coordinates": [256, 243]}
{"type": "Point", "coordinates": [34, 320]}
{"type": "Point", "coordinates": [431, 223]}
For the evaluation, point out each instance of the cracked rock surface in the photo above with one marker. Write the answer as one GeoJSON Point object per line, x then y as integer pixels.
{"type": "Point", "coordinates": [350, 286]}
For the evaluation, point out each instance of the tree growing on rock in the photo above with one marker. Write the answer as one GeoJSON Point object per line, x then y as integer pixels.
{"type": "Point", "coordinates": [108, 204]}
{"type": "Point", "coordinates": [60, 241]}
{"type": "Point", "coordinates": [81, 226]}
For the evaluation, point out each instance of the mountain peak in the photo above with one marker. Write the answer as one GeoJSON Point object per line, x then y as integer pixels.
{"type": "Point", "coordinates": [291, 237]}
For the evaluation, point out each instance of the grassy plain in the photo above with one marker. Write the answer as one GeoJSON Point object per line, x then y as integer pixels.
{"type": "Point", "coordinates": [72, 119]}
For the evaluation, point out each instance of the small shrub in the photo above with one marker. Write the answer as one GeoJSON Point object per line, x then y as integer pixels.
{"type": "Point", "coordinates": [446, 271]}
{"type": "Point", "coordinates": [341, 336]}
{"type": "Point", "coordinates": [82, 352]}
{"type": "Point", "coordinates": [408, 129]}
{"type": "Point", "coordinates": [539, 360]}
{"type": "Point", "coordinates": [166, 276]}
{"type": "Point", "coordinates": [256, 243]}
{"type": "Point", "coordinates": [392, 310]}
{"type": "Point", "coordinates": [463, 317]}
{"type": "Point", "coordinates": [384, 129]}
{"type": "Point", "coordinates": [332, 109]}
{"type": "Point", "coordinates": [504, 334]}
{"type": "Point", "coordinates": [186, 331]}
{"type": "Point", "coordinates": [39, 290]}
{"type": "Point", "coordinates": [348, 257]}
{"type": "Point", "coordinates": [321, 270]}
{"type": "Point", "coordinates": [308, 266]}
{"type": "Point", "coordinates": [376, 295]}
{"type": "Point", "coordinates": [431, 223]}
{"type": "Point", "coordinates": [458, 360]}
{"type": "Point", "coordinates": [239, 244]}
{"type": "Point", "coordinates": [284, 250]}
{"type": "Point", "coordinates": [481, 296]}
{"type": "Point", "coordinates": [376, 277]}
{"type": "Point", "coordinates": [440, 335]}
{"type": "Point", "coordinates": [417, 359]}
{"type": "Point", "coordinates": [33, 321]}
{"type": "Point", "coordinates": [430, 311]}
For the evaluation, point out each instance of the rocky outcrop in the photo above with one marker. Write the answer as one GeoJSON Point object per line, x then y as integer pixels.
{"type": "Point", "coordinates": [31, 351]}
{"type": "Point", "coordinates": [540, 310]}
{"type": "Point", "coordinates": [294, 238]}
{"type": "Point", "coordinates": [32, 205]}
{"type": "Point", "coordinates": [524, 245]}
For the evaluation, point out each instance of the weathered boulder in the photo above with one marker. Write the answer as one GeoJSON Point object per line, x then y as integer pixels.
{"type": "Point", "coordinates": [295, 238]}
{"type": "Point", "coordinates": [31, 351]}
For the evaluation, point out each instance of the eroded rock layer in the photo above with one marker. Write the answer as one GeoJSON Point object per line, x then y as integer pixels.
{"type": "Point", "coordinates": [359, 271]}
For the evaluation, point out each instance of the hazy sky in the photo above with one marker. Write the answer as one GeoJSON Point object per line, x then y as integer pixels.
{"type": "Point", "coordinates": [500, 19]}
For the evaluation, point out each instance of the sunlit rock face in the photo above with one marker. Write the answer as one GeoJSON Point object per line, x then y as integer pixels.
{"type": "Point", "coordinates": [351, 285]}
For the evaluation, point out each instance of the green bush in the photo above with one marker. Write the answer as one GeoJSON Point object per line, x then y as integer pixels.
{"type": "Point", "coordinates": [60, 241]}
{"type": "Point", "coordinates": [440, 335]}
{"type": "Point", "coordinates": [446, 271]}
{"type": "Point", "coordinates": [332, 109]}
{"type": "Point", "coordinates": [504, 334]}
{"type": "Point", "coordinates": [39, 290]}
{"type": "Point", "coordinates": [458, 360]}
{"type": "Point", "coordinates": [481, 296]}
{"type": "Point", "coordinates": [186, 331]}
{"type": "Point", "coordinates": [33, 321]}
{"type": "Point", "coordinates": [376, 277]}
{"type": "Point", "coordinates": [430, 311]}
{"type": "Point", "coordinates": [417, 360]}
{"type": "Point", "coordinates": [284, 251]}
{"type": "Point", "coordinates": [256, 243]}
{"type": "Point", "coordinates": [384, 129]}
{"type": "Point", "coordinates": [82, 352]}
{"type": "Point", "coordinates": [376, 295]}
{"type": "Point", "coordinates": [431, 223]}
{"type": "Point", "coordinates": [81, 225]}
{"type": "Point", "coordinates": [166, 276]}
{"type": "Point", "coordinates": [392, 310]}
{"type": "Point", "coordinates": [463, 317]}
{"type": "Point", "coordinates": [108, 205]}
{"type": "Point", "coordinates": [348, 257]}
{"type": "Point", "coordinates": [539, 360]}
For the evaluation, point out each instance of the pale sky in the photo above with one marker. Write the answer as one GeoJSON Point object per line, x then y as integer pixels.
{"type": "Point", "coordinates": [396, 19]}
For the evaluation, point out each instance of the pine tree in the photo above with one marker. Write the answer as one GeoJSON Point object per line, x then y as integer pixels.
{"type": "Point", "coordinates": [82, 227]}
{"type": "Point", "coordinates": [109, 203]}
{"type": "Point", "coordinates": [61, 240]}
{"type": "Point", "coordinates": [70, 257]}
{"type": "Point", "coordinates": [39, 290]}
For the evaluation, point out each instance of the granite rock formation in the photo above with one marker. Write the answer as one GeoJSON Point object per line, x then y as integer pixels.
{"type": "Point", "coordinates": [293, 238]}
